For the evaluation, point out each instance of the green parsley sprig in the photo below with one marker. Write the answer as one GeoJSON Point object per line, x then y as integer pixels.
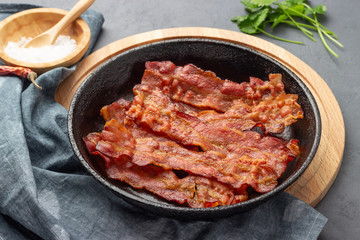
{"type": "Point", "coordinates": [296, 13]}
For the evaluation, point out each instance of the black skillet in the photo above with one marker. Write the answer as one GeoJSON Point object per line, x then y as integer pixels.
{"type": "Point", "coordinates": [116, 77]}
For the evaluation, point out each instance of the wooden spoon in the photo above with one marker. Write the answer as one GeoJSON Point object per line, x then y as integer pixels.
{"type": "Point", "coordinates": [49, 37]}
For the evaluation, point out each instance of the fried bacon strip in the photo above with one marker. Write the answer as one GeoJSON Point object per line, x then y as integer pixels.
{"type": "Point", "coordinates": [265, 103]}
{"type": "Point", "coordinates": [196, 191]}
{"type": "Point", "coordinates": [236, 165]}
{"type": "Point", "coordinates": [271, 115]}
{"type": "Point", "coordinates": [156, 110]}
{"type": "Point", "coordinates": [116, 110]}
{"type": "Point", "coordinates": [238, 171]}
{"type": "Point", "coordinates": [194, 86]}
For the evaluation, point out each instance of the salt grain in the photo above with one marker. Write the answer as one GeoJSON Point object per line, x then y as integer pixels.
{"type": "Point", "coordinates": [62, 47]}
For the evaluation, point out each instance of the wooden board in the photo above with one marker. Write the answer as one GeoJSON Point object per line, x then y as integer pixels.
{"type": "Point", "coordinates": [314, 183]}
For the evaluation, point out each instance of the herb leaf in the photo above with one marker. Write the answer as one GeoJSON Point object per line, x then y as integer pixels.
{"type": "Point", "coordinates": [321, 9]}
{"type": "Point", "coordinates": [279, 19]}
{"type": "Point", "coordinates": [250, 23]}
{"type": "Point", "coordinates": [296, 13]}
{"type": "Point", "coordinates": [239, 19]}
{"type": "Point", "coordinates": [250, 7]}
{"type": "Point", "coordinates": [296, 2]}
{"type": "Point", "coordinates": [262, 3]}
{"type": "Point", "coordinates": [249, 4]}
{"type": "Point", "coordinates": [259, 17]}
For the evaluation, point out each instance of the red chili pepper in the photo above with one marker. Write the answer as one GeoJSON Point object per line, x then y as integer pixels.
{"type": "Point", "coordinates": [21, 72]}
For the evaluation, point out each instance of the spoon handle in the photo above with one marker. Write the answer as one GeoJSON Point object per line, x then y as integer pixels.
{"type": "Point", "coordinates": [74, 13]}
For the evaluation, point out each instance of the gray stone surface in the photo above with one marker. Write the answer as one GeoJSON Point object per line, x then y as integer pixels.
{"type": "Point", "coordinates": [342, 203]}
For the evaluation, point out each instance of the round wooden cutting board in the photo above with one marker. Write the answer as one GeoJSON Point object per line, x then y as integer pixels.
{"type": "Point", "coordinates": [314, 183]}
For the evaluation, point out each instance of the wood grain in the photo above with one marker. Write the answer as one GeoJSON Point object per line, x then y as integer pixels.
{"type": "Point", "coordinates": [315, 182]}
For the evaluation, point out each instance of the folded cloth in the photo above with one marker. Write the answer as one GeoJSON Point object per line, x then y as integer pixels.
{"type": "Point", "coordinates": [45, 193]}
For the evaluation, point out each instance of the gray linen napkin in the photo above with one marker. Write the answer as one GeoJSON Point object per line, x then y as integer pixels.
{"type": "Point", "coordinates": [46, 194]}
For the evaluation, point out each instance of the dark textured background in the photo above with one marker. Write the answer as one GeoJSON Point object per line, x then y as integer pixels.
{"type": "Point", "coordinates": [342, 203]}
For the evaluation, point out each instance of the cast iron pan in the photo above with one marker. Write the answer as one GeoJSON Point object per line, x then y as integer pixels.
{"type": "Point", "coordinates": [116, 78]}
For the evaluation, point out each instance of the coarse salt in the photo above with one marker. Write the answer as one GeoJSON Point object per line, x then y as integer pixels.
{"type": "Point", "coordinates": [62, 47]}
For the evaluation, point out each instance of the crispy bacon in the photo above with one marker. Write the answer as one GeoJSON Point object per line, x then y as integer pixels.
{"type": "Point", "coordinates": [155, 110]}
{"type": "Point", "coordinates": [233, 169]}
{"type": "Point", "coordinates": [188, 119]}
{"type": "Point", "coordinates": [194, 86]}
{"type": "Point", "coordinates": [271, 115]}
{"type": "Point", "coordinates": [231, 156]}
{"type": "Point", "coordinates": [115, 110]}
{"type": "Point", "coordinates": [196, 191]}
{"type": "Point", "coordinates": [266, 104]}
